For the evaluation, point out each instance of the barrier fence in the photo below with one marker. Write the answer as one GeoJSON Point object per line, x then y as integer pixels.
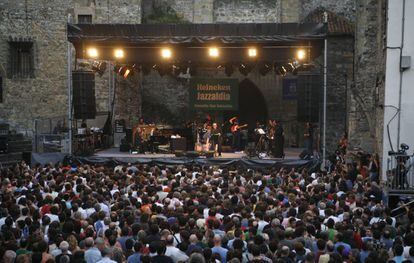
{"type": "Point", "coordinates": [400, 172]}
{"type": "Point", "coordinates": [51, 135]}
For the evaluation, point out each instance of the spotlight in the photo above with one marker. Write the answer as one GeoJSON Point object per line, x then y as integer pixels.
{"type": "Point", "coordinates": [92, 52]}
{"type": "Point", "coordinates": [125, 71]}
{"type": "Point", "coordinates": [305, 67]}
{"type": "Point", "coordinates": [252, 52]}
{"type": "Point", "coordinates": [290, 67]}
{"type": "Point", "coordinates": [265, 68]}
{"type": "Point", "coordinates": [160, 69]}
{"type": "Point", "coordinates": [99, 67]}
{"type": "Point", "coordinates": [166, 53]}
{"type": "Point", "coordinates": [213, 52]}
{"type": "Point", "coordinates": [119, 53]}
{"type": "Point", "coordinates": [301, 54]}
{"type": "Point", "coordinates": [280, 70]}
{"type": "Point", "coordinates": [245, 69]}
{"type": "Point", "coordinates": [228, 69]}
{"type": "Point", "coordinates": [176, 70]}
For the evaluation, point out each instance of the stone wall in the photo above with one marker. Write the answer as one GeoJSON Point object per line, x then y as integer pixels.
{"type": "Point", "coordinates": [45, 95]}
{"type": "Point", "coordinates": [239, 11]}
{"type": "Point", "coordinates": [345, 8]}
{"type": "Point", "coordinates": [339, 79]}
{"type": "Point", "coordinates": [366, 117]}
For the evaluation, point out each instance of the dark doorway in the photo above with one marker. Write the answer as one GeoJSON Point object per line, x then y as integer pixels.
{"type": "Point", "coordinates": [252, 105]}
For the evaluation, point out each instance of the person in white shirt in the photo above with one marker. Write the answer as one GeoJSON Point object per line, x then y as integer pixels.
{"type": "Point", "coordinates": [106, 256]}
{"type": "Point", "coordinates": [174, 253]}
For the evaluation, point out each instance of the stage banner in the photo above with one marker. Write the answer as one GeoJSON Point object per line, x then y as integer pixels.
{"type": "Point", "coordinates": [214, 94]}
{"type": "Point", "coordinates": [290, 89]}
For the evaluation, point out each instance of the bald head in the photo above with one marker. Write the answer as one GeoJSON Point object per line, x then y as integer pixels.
{"type": "Point", "coordinates": [193, 238]}
{"type": "Point", "coordinates": [89, 242]}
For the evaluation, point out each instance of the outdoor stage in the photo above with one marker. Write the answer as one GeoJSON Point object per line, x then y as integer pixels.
{"type": "Point", "coordinates": [291, 154]}
{"type": "Point", "coordinates": [114, 157]}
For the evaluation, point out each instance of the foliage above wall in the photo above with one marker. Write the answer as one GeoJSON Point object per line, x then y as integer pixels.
{"type": "Point", "coordinates": [163, 15]}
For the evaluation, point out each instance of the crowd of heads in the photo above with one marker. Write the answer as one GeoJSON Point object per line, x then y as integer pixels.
{"type": "Point", "coordinates": [140, 213]}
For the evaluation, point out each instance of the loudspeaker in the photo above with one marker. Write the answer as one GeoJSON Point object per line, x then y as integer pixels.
{"type": "Point", "coordinates": [84, 94]}
{"type": "Point", "coordinates": [309, 98]}
{"type": "Point", "coordinates": [124, 146]}
{"type": "Point", "coordinates": [178, 144]}
{"type": "Point", "coordinates": [128, 135]}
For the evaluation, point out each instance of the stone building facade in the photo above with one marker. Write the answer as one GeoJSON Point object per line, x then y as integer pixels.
{"type": "Point", "coordinates": [340, 61]}
{"type": "Point", "coordinates": [367, 91]}
{"type": "Point", "coordinates": [44, 95]}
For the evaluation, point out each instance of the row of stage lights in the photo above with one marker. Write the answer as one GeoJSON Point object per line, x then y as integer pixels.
{"type": "Point", "coordinates": [187, 68]}
{"type": "Point", "coordinates": [167, 53]}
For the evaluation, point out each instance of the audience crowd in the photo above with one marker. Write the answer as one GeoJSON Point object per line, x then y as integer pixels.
{"type": "Point", "coordinates": [138, 213]}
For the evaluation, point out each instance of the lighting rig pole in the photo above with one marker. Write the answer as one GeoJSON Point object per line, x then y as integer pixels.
{"type": "Point", "coordinates": [325, 60]}
{"type": "Point", "coordinates": [69, 77]}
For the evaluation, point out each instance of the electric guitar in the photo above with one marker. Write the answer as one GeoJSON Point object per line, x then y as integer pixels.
{"type": "Point", "coordinates": [237, 127]}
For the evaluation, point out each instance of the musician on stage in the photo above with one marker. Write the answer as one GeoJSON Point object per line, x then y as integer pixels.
{"type": "Point", "coordinates": [235, 130]}
{"type": "Point", "coordinates": [270, 134]}
{"type": "Point", "coordinates": [141, 136]}
{"type": "Point", "coordinates": [216, 139]}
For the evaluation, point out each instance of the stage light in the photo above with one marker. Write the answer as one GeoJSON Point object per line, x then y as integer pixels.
{"type": "Point", "coordinates": [99, 67]}
{"type": "Point", "coordinates": [280, 70]}
{"type": "Point", "coordinates": [228, 69]}
{"type": "Point", "coordinates": [290, 67]}
{"type": "Point", "coordinates": [176, 70]}
{"type": "Point", "coordinates": [166, 53]}
{"type": "Point", "coordinates": [162, 70]}
{"type": "Point", "coordinates": [92, 52]}
{"type": "Point", "coordinates": [136, 68]}
{"type": "Point", "coordinates": [119, 53]}
{"type": "Point", "coordinates": [301, 54]}
{"type": "Point", "coordinates": [265, 68]}
{"type": "Point", "coordinates": [245, 69]}
{"type": "Point", "coordinates": [213, 52]}
{"type": "Point", "coordinates": [252, 52]}
{"type": "Point", "coordinates": [125, 71]}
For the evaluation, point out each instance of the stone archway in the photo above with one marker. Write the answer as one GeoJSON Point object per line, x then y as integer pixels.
{"type": "Point", "coordinates": [252, 104]}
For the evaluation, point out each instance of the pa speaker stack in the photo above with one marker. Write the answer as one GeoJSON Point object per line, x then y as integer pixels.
{"type": "Point", "coordinates": [84, 94]}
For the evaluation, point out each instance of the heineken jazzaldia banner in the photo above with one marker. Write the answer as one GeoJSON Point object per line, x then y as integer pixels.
{"type": "Point", "coordinates": [214, 94]}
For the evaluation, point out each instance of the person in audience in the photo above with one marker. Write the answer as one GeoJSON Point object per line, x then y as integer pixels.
{"type": "Point", "coordinates": [191, 213]}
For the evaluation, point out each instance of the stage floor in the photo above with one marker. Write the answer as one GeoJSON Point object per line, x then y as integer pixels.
{"type": "Point", "coordinates": [291, 154]}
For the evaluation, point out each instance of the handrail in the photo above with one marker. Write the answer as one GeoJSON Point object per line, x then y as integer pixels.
{"type": "Point", "coordinates": [393, 212]}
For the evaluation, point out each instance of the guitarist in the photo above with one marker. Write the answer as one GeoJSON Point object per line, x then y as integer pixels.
{"type": "Point", "coordinates": [235, 130]}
